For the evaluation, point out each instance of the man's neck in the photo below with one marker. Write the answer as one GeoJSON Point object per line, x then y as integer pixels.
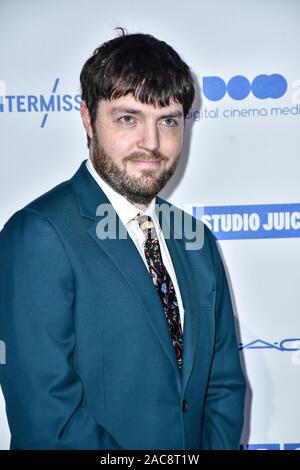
{"type": "Point", "coordinates": [141, 207]}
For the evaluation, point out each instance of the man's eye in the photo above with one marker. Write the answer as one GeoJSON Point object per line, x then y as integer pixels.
{"type": "Point", "coordinates": [169, 122]}
{"type": "Point", "coordinates": [126, 119]}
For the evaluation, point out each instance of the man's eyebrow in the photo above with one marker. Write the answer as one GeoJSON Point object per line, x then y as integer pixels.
{"type": "Point", "coordinates": [123, 109]}
{"type": "Point", "coordinates": [175, 114]}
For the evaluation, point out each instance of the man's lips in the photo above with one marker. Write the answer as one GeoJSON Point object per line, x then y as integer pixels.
{"type": "Point", "coordinates": [149, 162]}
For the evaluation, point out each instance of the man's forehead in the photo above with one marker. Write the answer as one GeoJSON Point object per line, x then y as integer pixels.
{"type": "Point", "coordinates": [129, 102]}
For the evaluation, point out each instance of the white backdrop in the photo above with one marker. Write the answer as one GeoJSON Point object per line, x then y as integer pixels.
{"type": "Point", "coordinates": [240, 160]}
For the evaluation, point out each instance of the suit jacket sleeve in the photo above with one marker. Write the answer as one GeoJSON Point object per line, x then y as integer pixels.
{"type": "Point", "coordinates": [223, 414]}
{"type": "Point", "coordinates": [43, 393]}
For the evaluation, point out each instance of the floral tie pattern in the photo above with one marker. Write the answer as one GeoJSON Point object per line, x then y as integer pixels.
{"type": "Point", "coordinates": [163, 283]}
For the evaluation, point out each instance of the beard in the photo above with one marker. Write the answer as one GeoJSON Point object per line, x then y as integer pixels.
{"type": "Point", "coordinates": [141, 189]}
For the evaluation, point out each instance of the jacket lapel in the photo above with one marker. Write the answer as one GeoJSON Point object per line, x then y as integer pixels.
{"type": "Point", "coordinates": [124, 255]}
{"type": "Point", "coordinates": [177, 250]}
{"type": "Point", "coordinates": [191, 320]}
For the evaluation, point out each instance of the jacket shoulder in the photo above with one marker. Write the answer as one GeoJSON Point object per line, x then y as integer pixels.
{"type": "Point", "coordinates": [48, 205]}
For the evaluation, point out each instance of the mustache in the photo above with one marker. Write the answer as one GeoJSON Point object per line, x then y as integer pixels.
{"type": "Point", "coordinates": [145, 156]}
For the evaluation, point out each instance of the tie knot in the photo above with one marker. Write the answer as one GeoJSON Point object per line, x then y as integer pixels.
{"type": "Point", "coordinates": [147, 225]}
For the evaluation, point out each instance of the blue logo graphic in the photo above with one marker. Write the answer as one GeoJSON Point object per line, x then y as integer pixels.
{"type": "Point", "coordinates": [251, 221]}
{"type": "Point", "coordinates": [287, 344]}
{"type": "Point", "coordinates": [54, 102]}
{"type": "Point", "coordinates": [239, 87]}
{"type": "Point", "coordinates": [292, 446]}
{"type": "Point", "coordinates": [262, 447]}
{"type": "Point", "coordinates": [271, 446]}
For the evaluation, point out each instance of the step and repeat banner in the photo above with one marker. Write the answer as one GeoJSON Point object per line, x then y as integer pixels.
{"type": "Point", "coordinates": [239, 170]}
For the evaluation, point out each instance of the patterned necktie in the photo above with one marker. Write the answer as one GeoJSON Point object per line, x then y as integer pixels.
{"type": "Point", "coordinates": [162, 282]}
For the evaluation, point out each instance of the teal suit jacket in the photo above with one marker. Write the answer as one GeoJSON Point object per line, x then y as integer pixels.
{"type": "Point", "coordinates": [89, 358]}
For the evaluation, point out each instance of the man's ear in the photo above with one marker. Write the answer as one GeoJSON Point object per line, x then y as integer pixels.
{"type": "Point", "coordinates": [85, 116]}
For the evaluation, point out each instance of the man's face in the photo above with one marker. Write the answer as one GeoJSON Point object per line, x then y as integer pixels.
{"type": "Point", "coordinates": [135, 147]}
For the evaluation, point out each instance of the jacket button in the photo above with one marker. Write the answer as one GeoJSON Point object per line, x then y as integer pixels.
{"type": "Point", "coordinates": [184, 406]}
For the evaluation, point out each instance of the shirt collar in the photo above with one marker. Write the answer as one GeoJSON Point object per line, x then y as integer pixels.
{"type": "Point", "coordinates": [124, 208]}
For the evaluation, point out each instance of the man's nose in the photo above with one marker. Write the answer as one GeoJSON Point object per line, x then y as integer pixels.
{"type": "Point", "coordinates": [149, 138]}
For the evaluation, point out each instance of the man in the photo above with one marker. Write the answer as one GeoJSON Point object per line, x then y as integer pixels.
{"type": "Point", "coordinates": [119, 342]}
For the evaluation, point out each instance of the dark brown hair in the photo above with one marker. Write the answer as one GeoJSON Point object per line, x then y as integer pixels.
{"type": "Point", "coordinates": [137, 64]}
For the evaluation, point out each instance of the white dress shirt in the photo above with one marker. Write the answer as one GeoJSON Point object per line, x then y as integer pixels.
{"type": "Point", "coordinates": [127, 211]}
